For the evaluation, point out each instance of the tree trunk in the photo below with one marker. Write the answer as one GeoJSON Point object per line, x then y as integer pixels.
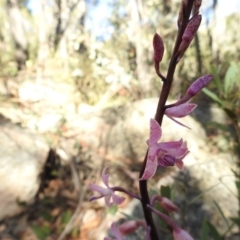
{"type": "Point", "coordinates": [136, 37]}
{"type": "Point", "coordinates": [18, 33]}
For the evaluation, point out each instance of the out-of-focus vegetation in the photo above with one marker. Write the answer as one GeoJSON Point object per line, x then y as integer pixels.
{"type": "Point", "coordinates": [56, 40]}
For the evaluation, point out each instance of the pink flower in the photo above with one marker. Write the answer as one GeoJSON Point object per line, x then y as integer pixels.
{"type": "Point", "coordinates": [106, 192]}
{"type": "Point", "coordinates": [180, 111]}
{"type": "Point", "coordinates": [162, 154]}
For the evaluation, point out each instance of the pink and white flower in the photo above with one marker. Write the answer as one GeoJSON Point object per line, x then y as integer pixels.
{"type": "Point", "coordinates": [162, 154]}
{"type": "Point", "coordinates": [107, 192]}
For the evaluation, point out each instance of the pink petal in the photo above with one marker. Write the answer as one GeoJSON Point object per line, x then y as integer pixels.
{"type": "Point", "coordinates": [178, 152]}
{"type": "Point", "coordinates": [117, 199]}
{"type": "Point", "coordinates": [150, 169]}
{"type": "Point", "coordinates": [102, 190]}
{"type": "Point", "coordinates": [166, 160]}
{"type": "Point", "coordinates": [152, 151]}
{"type": "Point", "coordinates": [155, 132]}
{"type": "Point", "coordinates": [108, 200]}
{"type": "Point", "coordinates": [181, 235]}
{"type": "Point", "coordinates": [179, 164]}
{"type": "Point", "coordinates": [172, 144]}
{"type": "Point", "coordinates": [115, 232]}
{"type": "Point", "coordinates": [105, 177]}
{"type": "Point", "coordinates": [181, 110]}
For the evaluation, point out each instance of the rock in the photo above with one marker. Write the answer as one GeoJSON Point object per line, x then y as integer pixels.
{"type": "Point", "coordinates": [22, 155]}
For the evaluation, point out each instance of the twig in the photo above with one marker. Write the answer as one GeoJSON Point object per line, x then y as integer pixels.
{"type": "Point", "coordinates": [81, 193]}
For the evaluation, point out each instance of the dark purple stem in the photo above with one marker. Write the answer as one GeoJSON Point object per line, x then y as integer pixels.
{"type": "Point", "coordinates": [120, 189]}
{"type": "Point", "coordinates": [167, 83]}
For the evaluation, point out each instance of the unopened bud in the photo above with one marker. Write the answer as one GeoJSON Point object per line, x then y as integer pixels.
{"type": "Point", "coordinates": [181, 12]}
{"type": "Point", "coordinates": [168, 205]}
{"type": "Point", "coordinates": [128, 227]}
{"type": "Point", "coordinates": [158, 48]}
{"type": "Point", "coordinates": [196, 6]}
{"type": "Point", "coordinates": [189, 34]}
{"type": "Point", "coordinates": [191, 28]}
{"type": "Point", "coordinates": [199, 84]}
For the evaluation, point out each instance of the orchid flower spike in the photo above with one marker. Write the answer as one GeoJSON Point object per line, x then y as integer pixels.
{"type": "Point", "coordinates": [162, 154]}
{"type": "Point", "coordinates": [106, 192]}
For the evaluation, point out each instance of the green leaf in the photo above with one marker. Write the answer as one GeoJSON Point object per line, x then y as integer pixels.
{"type": "Point", "coordinates": [213, 96]}
{"type": "Point", "coordinates": [216, 78]}
{"type": "Point", "coordinates": [66, 216]}
{"type": "Point", "coordinates": [236, 221]}
{"type": "Point", "coordinates": [42, 232]}
{"type": "Point", "coordinates": [165, 191]}
{"type": "Point", "coordinates": [231, 78]}
{"type": "Point", "coordinates": [221, 212]}
{"type": "Point", "coordinates": [204, 231]}
{"type": "Point", "coordinates": [238, 186]}
{"type": "Point", "coordinates": [213, 231]}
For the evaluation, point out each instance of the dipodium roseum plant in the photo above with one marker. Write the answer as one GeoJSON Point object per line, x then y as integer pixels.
{"type": "Point", "coordinates": [161, 154]}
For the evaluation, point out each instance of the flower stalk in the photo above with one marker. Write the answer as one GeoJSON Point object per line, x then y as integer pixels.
{"type": "Point", "coordinates": [161, 109]}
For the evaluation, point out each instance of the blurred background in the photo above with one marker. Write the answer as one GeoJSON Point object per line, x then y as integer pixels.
{"type": "Point", "coordinates": [77, 74]}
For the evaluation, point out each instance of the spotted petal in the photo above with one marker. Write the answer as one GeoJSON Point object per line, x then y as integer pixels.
{"type": "Point", "coordinates": [155, 132]}
{"type": "Point", "coordinates": [150, 169]}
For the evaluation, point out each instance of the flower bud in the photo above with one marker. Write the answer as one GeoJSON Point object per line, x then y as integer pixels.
{"type": "Point", "coordinates": [128, 227]}
{"type": "Point", "coordinates": [198, 85]}
{"type": "Point", "coordinates": [158, 48]}
{"type": "Point", "coordinates": [181, 12]}
{"type": "Point", "coordinates": [168, 205]}
{"type": "Point", "coordinates": [196, 6]}
{"type": "Point", "coordinates": [189, 34]}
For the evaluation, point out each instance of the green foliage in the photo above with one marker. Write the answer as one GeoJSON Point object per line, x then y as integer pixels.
{"type": "Point", "coordinates": [165, 191]}
{"type": "Point", "coordinates": [42, 232]}
{"type": "Point", "coordinates": [226, 95]}
{"type": "Point", "coordinates": [208, 231]}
